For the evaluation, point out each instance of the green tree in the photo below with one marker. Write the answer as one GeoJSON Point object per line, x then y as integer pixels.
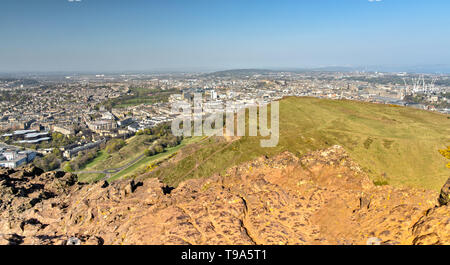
{"type": "Point", "coordinates": [68, 167]}
{"type": "Point", "coordinates": [115, 145]}
{"type": "Point", "coordinates": [57, 152]}
{"type": "Point", "coordinates": [158, 149]}
{"type": "Point", "coordinates": [150, 152]}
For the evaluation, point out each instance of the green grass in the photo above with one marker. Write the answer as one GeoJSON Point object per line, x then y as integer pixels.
{"type": "Point", "coordinates": [135, 146]}
{"type": "Point", "coordinates": [400, 143]}
{"type": "Point", "coordinates": [101, 156]}
{"type": "Point", "coordinates": [380, 182]}
{"type": "Point", "coordinates": [140, 96]}
{"type": "Point", "coordinates": [90, 177]}
{"type": "Point", "coordinates": [135, 102]}
{"type": "Point", "coordinates": [140, 165]}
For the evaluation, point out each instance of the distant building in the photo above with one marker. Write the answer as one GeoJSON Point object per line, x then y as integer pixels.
{"type": "Point", "coordinates": [28, 136]}
{"type": "Point", "coordinates": [434, 99]}
{"type": "Point", "coordinates": [21, 133]}
{"type": "Point", "coordinates": [35, 141]}
{"type": "Point", "coordinates": [187, 96]}
{"type": "Point", "coordinates": [14, 158]}
{"type": "Point", "coordinates": [34, 136]}
{"type": "Point", "coordinates": [175, 98]}
{"type": "Point", "coordinates": [125, 122]}
{"type": "Point", "coordinates": [213, 95]}
{"type": "Point", "coordinates": [73, 152]}
{"type": "Point", "coordinates": [64, 130]}
{"type": "Point", "coordinates": [133, 127]}
{"type": "Point", "coordinates": [101, 126]}
{"type": "Point", "coordinates": [108, 116]}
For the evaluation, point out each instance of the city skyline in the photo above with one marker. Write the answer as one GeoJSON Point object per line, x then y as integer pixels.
{"type": "Point", "coordinates": [113, 36]}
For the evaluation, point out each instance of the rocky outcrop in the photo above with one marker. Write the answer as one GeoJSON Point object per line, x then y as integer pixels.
{"type": "Point", "coordinates": [22, 189]}
{"type": "Point", "coordinates": [444, 197]}
{"type": "Point", "coordinates": [321, 198]}
{"type": "Point", "coordinates": [22, 192]}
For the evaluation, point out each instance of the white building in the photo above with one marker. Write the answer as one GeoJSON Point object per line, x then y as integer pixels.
{"type": "Point", "coordinates": [13, 159]}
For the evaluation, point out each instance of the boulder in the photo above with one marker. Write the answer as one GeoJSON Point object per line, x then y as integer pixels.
{"type": "Point", "coordinates": [31, 171]}
{"type": "Point", "coordinates": [444, 197]}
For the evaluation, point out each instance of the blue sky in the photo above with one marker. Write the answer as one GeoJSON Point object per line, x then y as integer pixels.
{"type": "Point", "coordinates": [132, 35]}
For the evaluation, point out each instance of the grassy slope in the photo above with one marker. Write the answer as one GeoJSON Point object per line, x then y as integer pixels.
{"type": "Point", "coordinates": [401, 142]}
{"type": "Point", "coordinates": [136, 146]}
{"type": "Point", "coordinates": [140, 166]}
{"type": "Point", "coordinates": [90, 177]}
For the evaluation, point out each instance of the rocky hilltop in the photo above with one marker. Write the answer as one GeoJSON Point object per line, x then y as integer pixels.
{"type": "Point", "coordinates": [321, 198]}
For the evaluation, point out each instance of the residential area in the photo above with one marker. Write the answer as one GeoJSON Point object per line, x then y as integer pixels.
{"type": "Point", "coordinates": [70, 114]}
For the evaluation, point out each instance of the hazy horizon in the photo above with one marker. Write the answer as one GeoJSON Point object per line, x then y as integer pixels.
{"type": "Point", "coordinates": [433, 69]}
{"type": "Point", "coordinates": [206, 36]}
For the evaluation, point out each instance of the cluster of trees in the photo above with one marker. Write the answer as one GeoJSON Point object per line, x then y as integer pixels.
{"type": "Point", "coordinates": [154, 150]}
{"type": "Point", "coordinates": [11, 96]}
{"type": "Point", "coordinates": [262, 85]}
{"type": "Point", "coordinates": [414, 98]}
{"type": "Point", "coordinates": [422, 99]}
{"type": "Point", "coordinates": [81, 160]}
{"type": "Point", "coordinates": [84, 157]}
{"type": "Point", "coordinates": [49, 162]}
{"type": "Point", "coordinates": [114, 145]}
{"type": "Point", "coordinates": [160, 145]}
{"type": "Point", "coordinates": [58, 140]}
{"type": "Point", "coordinates": [162, 137]}
{"type": "Point", "coordinates": [140, 95]}
{"type": "Point", "coordinates": [55, 159]}
{"type": "Point", "coordinates": [158, 131]}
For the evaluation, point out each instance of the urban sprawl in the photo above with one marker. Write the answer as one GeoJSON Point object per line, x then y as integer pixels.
{"type": "Point", "coordinates": [75, 113]}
